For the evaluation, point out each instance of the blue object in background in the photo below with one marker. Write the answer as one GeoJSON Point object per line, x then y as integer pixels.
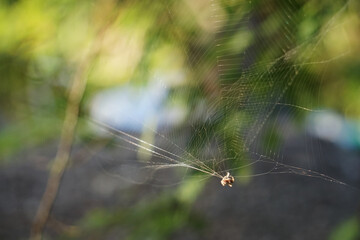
{"type": "Point", "coordinates": [131, 108]}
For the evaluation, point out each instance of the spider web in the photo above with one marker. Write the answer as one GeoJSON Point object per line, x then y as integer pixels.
{"type": "Point", "coordinates": [244, 68]}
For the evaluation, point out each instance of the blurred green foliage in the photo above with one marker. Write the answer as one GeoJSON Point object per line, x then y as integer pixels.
{"type": "Point", "coordinates": [148, 219]}
{"type": "Point", "coordinates": [42, 44]}
{"type": "Point", "coordinates": [348, 230]}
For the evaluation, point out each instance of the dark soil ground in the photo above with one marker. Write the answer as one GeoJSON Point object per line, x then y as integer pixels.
{"type": "Point", "coordinates": [273, 206]}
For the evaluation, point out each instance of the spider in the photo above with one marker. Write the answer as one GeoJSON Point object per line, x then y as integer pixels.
{"type": "Point", "coordinates": [227, 180]}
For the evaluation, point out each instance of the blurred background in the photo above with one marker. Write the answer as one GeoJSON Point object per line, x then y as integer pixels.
{"type": "Point", "coordinates": [109, 104]}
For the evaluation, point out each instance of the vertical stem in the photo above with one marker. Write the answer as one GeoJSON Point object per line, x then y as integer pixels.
{"type": "Point", "coordinates": [62, 157]}
{"type": "Point", "coordinates": [106, 19]}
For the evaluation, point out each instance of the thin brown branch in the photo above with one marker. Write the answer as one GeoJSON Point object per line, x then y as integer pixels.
{"type": "Point", "coordinates": [66, 140]}
{"type": "Point", "coordinates": [62, 157]}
